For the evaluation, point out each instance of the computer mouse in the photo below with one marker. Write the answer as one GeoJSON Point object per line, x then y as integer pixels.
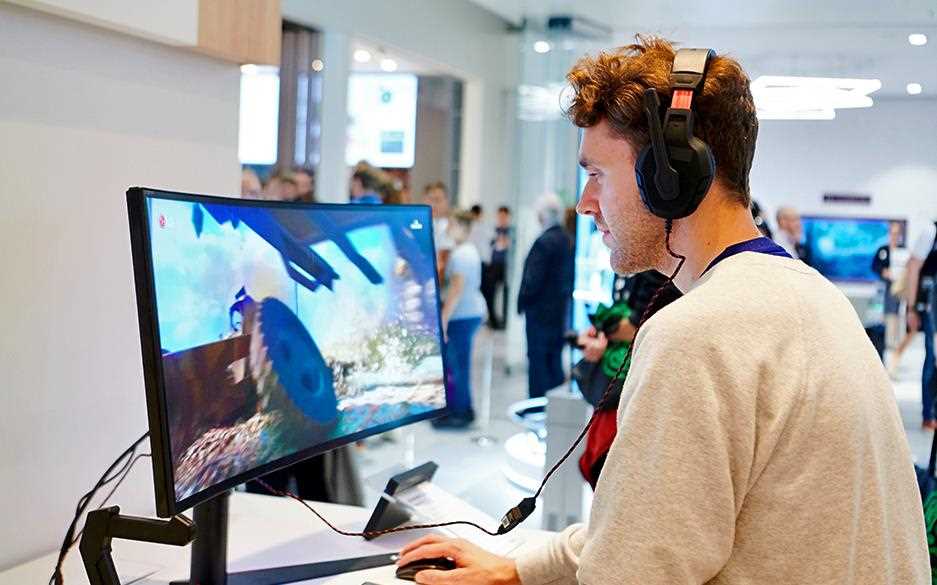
{"type": "Point", "coordinates": [408, 572]}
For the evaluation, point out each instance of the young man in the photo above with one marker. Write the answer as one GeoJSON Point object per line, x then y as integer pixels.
{"type": "Point", "coordinates": [758, 438]}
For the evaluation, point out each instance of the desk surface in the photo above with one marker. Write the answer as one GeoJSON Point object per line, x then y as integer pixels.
{"type": "Point", "coordinates": [263, 532]}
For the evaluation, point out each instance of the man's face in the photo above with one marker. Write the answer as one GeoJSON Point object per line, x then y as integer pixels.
{"type": "Point", "coordinates": [790, 224]}
{"type": "Point", "coordinates": [357, 188]}
{"type": "Point", "coordinates": [633, 234]}
{"type": "Point", "coordinates": [504, 219]}
{"type": "Point", "coordinates": [894, 235]}
{"type": "Point", "coordinates": [439, 201]}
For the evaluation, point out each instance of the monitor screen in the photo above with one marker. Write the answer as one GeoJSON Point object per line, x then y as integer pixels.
{"type": "Point", "coordinates": [274, 331]}
{"type": "Point", "coordinates": [842, 248]}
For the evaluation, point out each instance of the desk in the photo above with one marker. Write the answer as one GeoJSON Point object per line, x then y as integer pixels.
{"type": "Point", "coordinates": [264, 531]}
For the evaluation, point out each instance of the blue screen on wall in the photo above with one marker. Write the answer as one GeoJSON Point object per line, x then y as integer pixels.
{"type": "Point", "coordinates": [842, 248]}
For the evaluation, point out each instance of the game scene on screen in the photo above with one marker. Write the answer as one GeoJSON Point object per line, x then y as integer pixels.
{"type": "Point", "coordinates": [284, 328]}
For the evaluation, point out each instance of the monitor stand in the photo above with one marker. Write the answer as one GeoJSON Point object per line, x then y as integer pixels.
{"type": "Point", "coordinates": [210, 555]}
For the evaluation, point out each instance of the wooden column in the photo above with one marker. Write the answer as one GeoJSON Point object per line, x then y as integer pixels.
{"type": "Point", "coordinates": [243, 31]}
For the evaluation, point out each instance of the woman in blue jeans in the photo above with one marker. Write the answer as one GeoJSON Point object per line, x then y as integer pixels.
{"type": "Point", "coordinates": [462, 314]}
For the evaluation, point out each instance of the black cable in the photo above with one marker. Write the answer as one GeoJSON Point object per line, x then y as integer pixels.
{"type": "Point", "coordinates": [127, 469]}
{"type": "Point", "coordinates": [371, 533]}
{"type": "Point", "coordinates": [85, 500]}
{"type": "Point", "coordinates": [649, 310]}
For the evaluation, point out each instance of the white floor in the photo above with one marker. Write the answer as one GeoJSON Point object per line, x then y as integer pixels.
{"type": "Point", "coordinates": [476, 473]}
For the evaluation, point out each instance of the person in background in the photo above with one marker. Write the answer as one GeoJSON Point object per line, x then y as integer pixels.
{"type": "Point", "coordinates": [922, 268]}
{"type": "Point", "coordinates": [281, 187]}
{"type": "Point", "coordinates": [363, 188]}
{"type": "Point", "coordinates": [305, 184]}
{"type": "Point", "coordinates": [570, 225]}
{"type": "Point", "coordinates": [760, 221]}
{"type": "Point", "coordinates": [544, 296]}
{"type": "Point", "coordinates": [496, 274]}
{"type": "Point", "coordinates": [604, 349]}
{"type": "Point", "coordinates": [481, 236]}
{"type": "Point", "coordinates": [462, 314]}
{"type": "Point", "coordinates": [882, 265]}
{"type": "Point", "coordinates": [791, 233]}
{"type": "Point", "coordinates": [437, 197]}
{"type": "Point", "coordinates": [250, 184]}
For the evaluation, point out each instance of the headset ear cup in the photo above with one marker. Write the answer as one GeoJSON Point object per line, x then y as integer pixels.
{"type": "Point", "coordinates": [696, 177]}
{"type": "Point", "coordinates": [645, 168]}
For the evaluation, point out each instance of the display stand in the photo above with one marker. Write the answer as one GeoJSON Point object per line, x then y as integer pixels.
{"type": "Point", "coordinates": [389, 513]}
{"type": "Point", "coordinates": [106, 523]}
{"type": "Point", "coordinates": [210, 554]}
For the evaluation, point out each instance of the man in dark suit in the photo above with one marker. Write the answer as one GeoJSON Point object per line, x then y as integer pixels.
{"type": "Point", "coordinates": [544, 297]}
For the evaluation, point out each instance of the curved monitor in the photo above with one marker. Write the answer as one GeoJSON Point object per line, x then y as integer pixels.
{"type": "Point", "coordinates": [275, 331]}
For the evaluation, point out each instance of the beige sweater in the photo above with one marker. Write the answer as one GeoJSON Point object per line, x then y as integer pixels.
{"type": "Point", "coordinates": [759, 442]}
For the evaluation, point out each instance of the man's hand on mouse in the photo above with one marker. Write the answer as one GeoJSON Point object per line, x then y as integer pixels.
{"type": "Point", "coordinates": [474, 565]}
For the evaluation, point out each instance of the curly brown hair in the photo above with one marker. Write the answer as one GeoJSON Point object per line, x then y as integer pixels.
{"type": "Point", "coordinates": [610, 86]}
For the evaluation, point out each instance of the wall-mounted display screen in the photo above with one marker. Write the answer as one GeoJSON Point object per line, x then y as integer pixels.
{"type": "Point", "coordinates": [382, 119]}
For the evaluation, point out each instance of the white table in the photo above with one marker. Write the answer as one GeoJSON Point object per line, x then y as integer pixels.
{"type": "Point", "coordinates": [263, 532]}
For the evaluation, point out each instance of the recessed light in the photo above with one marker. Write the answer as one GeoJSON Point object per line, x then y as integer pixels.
{"type": "Point", "coordinates": [917, 39]}
{"type": "Point", "coordinates": [318, 65]}
{"type": "Point", "coordinates": [249, 69]}
{"type": "Point", "coordinates": [388, 65]}
{"type": "Point", "coordinates": [810, 98]}
{"type": "Point", "coordinates": [914, 88]}
{"type": "Point", "coordinates": [542, 47]}
{"type": "Point", "coordinates": [362, 55]}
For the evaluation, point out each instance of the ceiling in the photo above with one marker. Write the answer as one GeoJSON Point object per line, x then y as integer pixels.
{"type": "Point", "coordinates": [836, 38]}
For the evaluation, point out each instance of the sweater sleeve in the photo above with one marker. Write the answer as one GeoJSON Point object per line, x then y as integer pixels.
{"type": "Point", "coordinates": [557, 562]}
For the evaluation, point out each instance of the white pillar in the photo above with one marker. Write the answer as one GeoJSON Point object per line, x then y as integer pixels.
{"type": "Point", "coordinates": [332, 174]}
{"type": "Point", "coordinates": [470, 157]}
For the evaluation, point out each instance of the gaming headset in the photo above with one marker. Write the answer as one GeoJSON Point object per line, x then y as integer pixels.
{"type": "Point", "coordinates": [676, 169]}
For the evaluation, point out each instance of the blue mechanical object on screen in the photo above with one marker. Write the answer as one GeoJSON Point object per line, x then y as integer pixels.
{"type": "Point", "coordinates": [283, 330]}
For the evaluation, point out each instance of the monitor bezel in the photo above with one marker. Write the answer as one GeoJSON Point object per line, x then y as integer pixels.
{"type": "Point", "coordinates": [141, 247]}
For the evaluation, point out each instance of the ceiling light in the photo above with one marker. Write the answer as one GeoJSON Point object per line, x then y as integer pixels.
{"type": "Point", "coordinates": [810, 98]}
{"type": "Point", "coordinates": [914, 88]}
{"type": "Point", "coordinates": [249, 69]}
{"type": "Point", "coordinates": [542, 47]}
{"type": "Point", "coordinates": [917, 39]}
{"type": "Point", "coordinates": [318, 65]}
{"type": "Point", "coordinates": [362, 55]}
{"type": "Point", "coordinates": [388, 65]}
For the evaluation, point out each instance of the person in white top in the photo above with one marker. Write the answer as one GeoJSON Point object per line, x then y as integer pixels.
{"type": "Point", "coordinates": [462, 314]}
{"type": "Point", "coordinates": [758, 439]}
{"type": "Point", "coordinates": [437, 197]}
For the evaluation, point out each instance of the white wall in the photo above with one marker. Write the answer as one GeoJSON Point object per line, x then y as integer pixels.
{"type": "Point", "coordinates": [170, 21]}
{"type": "Point", "coordinates": [85, 113]}
{"type": "Point", "coordinates": [888, 151]}
{"type": "Point", "coordinates": [459, 38]}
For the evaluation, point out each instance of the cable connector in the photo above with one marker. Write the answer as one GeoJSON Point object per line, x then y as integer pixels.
{"type": "Point", "coordinates": [517, 514]}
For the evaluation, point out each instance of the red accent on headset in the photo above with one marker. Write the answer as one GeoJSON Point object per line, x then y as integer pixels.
{"type": "Point", "coordinates": [682, 98]}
